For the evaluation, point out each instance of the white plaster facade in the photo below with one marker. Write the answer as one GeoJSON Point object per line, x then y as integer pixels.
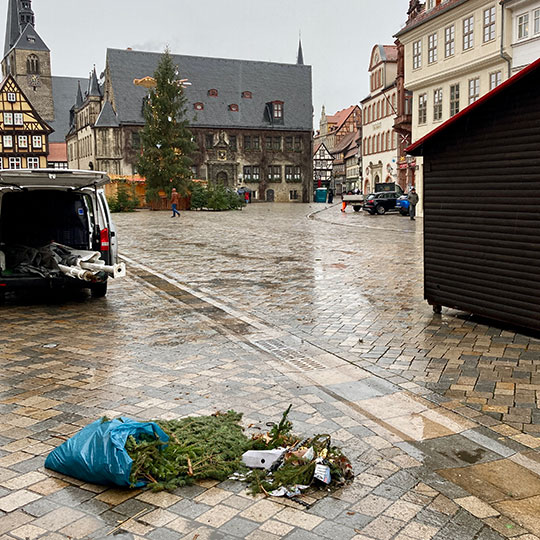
{"type": "Point", "coordinates": [461, 51]}
{"type": "Point", "coordinates": [379, 140]}
{"type": "Point", "coordinates": [524, 19]}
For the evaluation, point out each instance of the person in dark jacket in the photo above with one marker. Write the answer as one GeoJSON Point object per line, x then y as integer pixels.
{"type": "Point", "coordinates": [330, 196]}
{"type": "Point", "coordinates": [413, 201]}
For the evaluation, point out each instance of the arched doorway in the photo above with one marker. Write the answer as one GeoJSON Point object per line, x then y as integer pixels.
{"type": "Point", "coordinates": [377, 179]}
{"type": "Point", "coordinates": [222, 178]}
{"type": "Point", "coordinates": [366, 187]}
{"type": "Point", "coordinates": [270, 195]}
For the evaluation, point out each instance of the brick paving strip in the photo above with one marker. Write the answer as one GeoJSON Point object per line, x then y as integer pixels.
{"type": "Point", "coordinates": [425, 467]}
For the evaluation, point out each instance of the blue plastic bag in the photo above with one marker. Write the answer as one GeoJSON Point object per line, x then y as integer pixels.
{"type": "Point", "coordinates": [97, 453]}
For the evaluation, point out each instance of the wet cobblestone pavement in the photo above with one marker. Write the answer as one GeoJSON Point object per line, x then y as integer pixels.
{"type": "Point", "coordinates": [254, 310]}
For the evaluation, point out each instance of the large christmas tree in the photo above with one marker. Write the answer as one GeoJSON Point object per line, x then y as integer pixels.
{"type": "Point", "coordinates": [167, 142]}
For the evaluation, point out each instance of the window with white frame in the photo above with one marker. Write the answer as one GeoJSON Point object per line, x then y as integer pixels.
{"type": "Point", "coordinates": [15, 163]}
{"type": "Point", "coordinates": [468, 33]}
{"type": "Point", "coordinates": [8, 119]}
{"type": "Point", "coordinates": [22, 141]}
{"type": "Point", "coordinates": [449, 41]}
{"type": "Point", "coordinates": [523, 26]}
{"type": "Point", "coordinates": [37, 142]}
{"type": "Point", "coordinates": [454, 99]}
{"type": "Point", "coordinates": [437, 104]}
{"type": "Point", "coordinates": [256, 173]}
{"type": "Point", "coordinates": [422, 108]}
{"type": "Point", "coordinates": [18, 119]}
{"type": "Point", "coordinates": [417, 55]}
{"type": "Point", "coordinates": [474, 89]}
{"type": "Point", "coordinates": [32, 162]}
{"type": "Point", "coordinates": [7, 141]}
{"type": "Point", "coordinates": [489, 24]}
{"type": "Point", "coordinates": [430, 4]}
{"type": "Point", "coordinates": [297, 173]}
{"type": "Point", "coordinates": [536, 19]}
{"type": "Point", "coordinates": [495, 79]}
{"type": "Point", "coordinates": [432, 48]}
{"type": "Point", "coordinates": [11, 97]}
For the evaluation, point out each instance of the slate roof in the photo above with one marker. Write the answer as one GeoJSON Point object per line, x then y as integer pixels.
{"type": "Point", "coordinates": [29, 40]}
{"type": "Point", "coordinates": [64, 92]}
{"type": "Point", "coordinates": [107, 117]}
{"type": "Point", "coordinates": [93, 85]}
{"type": "Point", "coordinates": [268, 81]}
{"type": "Point", "coordinates": [12, 26]}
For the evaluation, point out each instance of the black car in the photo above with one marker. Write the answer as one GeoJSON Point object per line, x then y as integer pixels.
{"type": "Point", "coordinates": [380, 203]}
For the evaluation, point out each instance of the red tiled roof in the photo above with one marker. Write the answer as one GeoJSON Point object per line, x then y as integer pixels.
{"type": "Point", "coordinates": [429, 14]}
{"type": "Point", "coordinates": [340, 117]}
{"type": "Point", "coordinates": [467, 110]}
{"type": "Point", "coordinates": [57, 152]}
{"type": "Point", "coordinates": [316, 149]}
{"type": "Point", "coordinates": [391, 52]}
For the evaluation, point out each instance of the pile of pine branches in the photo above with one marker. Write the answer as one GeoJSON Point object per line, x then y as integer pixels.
{"type": "Point", "coordinates": [211, 447]}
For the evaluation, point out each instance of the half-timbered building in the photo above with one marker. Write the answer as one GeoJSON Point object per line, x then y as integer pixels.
{"type": "Point", "coordinates": [23, 134]}
{"type": "Point", "coordinates": [322, 166]}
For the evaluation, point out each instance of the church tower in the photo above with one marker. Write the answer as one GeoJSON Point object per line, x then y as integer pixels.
{"type": "Point", "coordinates": [27, 58]}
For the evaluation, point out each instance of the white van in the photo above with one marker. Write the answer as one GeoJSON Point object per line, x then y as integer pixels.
{"type": "Point", "coordinates": [60, 208]}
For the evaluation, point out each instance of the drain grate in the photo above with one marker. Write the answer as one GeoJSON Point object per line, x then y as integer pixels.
{"type": "Point", "coordinates": [290, 356]}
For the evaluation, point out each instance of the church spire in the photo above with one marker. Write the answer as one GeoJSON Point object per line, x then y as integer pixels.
{"type": "Point", "coordinates": [19, 15]}
{"type": "Point", "coordinates": [300, 55]}
{"type": "Point", "coordinates": [93, 84]}
{"type": "Point", "coordinates": [79, 99]}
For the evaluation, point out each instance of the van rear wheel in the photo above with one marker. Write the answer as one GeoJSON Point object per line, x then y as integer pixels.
{"type": "Point", "coordinates": [98, 290]}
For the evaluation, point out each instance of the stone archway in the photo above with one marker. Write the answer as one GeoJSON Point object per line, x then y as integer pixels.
{"type": "Point", "coordinates": [270, 195]}
{"type": "Point", "coordinates": [222, 178]}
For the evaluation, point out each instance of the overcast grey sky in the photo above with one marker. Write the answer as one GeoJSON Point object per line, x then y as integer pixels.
{"type": "Point", "coordinates": [337, 35]}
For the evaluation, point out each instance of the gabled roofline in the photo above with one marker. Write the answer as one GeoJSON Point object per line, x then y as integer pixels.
{"type": "Point", "coordinates": [299, 66]}
{"type": "Point", "coordinates": [38, 116]}
{"type": "Point", "coordinates": [473, 106]}
{"type": "Point", "coordinates": [427, 18]}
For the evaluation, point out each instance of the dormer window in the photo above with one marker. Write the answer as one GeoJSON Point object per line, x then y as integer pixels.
{"type": "Point", "coordinates": [198, 106]}
{"type": "Point", "coordinates": [233, 107]}
{"type": "Point", "coordinates": [213, 92]}
{"type": "Point", "coordinates": [277, 110]}
{"type": "Point", "coordinates": [247, 94]}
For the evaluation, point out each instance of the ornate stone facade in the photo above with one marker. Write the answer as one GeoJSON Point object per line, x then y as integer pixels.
{"type": "Point", "coordinates": [257, 136]}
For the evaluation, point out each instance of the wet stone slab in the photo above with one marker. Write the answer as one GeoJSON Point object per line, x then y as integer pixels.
{"type": "Point", "coordinates": [304, 313]}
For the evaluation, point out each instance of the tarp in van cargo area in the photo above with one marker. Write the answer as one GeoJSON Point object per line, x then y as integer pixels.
{"type": "Point", "coordinates": [41, 261]}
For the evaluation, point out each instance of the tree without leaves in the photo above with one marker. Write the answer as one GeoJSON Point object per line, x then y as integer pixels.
{"type": "Point", "coordinates": [167, 142]}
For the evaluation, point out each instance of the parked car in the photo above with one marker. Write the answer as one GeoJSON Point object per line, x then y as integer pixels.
{"type": "Point", "coordinates": [44, 212]}
{"type": "Point", "coordinates": [402, 205]}
{"type": "Point", "coordinates": [380, 203]}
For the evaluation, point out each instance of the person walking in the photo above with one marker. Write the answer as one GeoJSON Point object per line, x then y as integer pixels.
{"type": "Point", "coordinates": [330, 196]}
{"type": "Point", "coordinates": [413, 201]}
{"type": "Point", "coordinates": [175, 198]}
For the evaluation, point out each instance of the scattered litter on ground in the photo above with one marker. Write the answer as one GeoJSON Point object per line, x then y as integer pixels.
{"type": "Point", "coordinates": [167, 454]}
